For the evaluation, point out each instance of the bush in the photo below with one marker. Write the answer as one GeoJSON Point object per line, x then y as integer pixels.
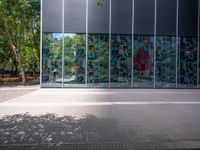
{"type": "Point", "coordinates": [9, 79]}
{"type": "Point", "coordinates": [16, 79]}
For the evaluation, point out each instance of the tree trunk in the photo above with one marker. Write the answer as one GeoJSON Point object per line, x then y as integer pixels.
{"type": "Point", "coordinates": [22, 72]}
{"type": "Point", "coordinates": [34, 74]}
{"type": "Point", "coordinates": [2, 72]}
{"type": "Point", "coordinates": [3, 68]}
{"type": "Point", "coordinates": [19, 61]}
{"type": "Point", "coordinates": [15, 66]}
{"type": "Point", "coordinates": [37, 46]}
{"type": "Point", "coordinates": [16, 52]}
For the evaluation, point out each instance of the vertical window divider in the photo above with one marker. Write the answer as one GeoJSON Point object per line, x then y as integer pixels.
{"type": "Point", "coordinates": [41, 24]}
{"type": "Point", "coordinates": [177, 23]}
{"type": "Point", "coordinates": [198, 45]}
{"type": "Point", "coordinates": [86, 45]}
{"type": "Point", "coordinates": [133, 14]}
{"type": "Point", "coordinates": [155, 24]}
{"type": "Point", "coordinates": [63, 42]}
{"type": "Point", "coordinates": [110, 23]}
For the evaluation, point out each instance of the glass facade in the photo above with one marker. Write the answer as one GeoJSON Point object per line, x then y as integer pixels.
{"type": "Point", "coordinates": [188, 39]}
{"type": "Point", "coordinates": [121, 60]}
{"type": "Point", "coordinates": [98, 60]}
{"type": "Point", "coordinates": [166, 62]}
{"type": "Point", "coordinates": [120, 44]}
{"type": "Point", "coordinates": [52, 60]}
{"type": "Point", "coordinates": [166, 47]}
{"type": "Point", "coordinates": [143, 61]}
{"type": "Point", "coordinates": [187, 62]}
{"type": "Point", "coordinates": [74, 60]}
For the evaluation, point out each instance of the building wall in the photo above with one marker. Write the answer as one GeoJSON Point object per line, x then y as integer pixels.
{"type": "Point", "coordinates": [120, 44]}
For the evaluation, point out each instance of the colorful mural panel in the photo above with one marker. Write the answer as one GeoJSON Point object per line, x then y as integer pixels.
{"type": "Point", "coordinates": [166, 62]}
{"type": "Point", "coordinates": [121, 60]}
{"type": "Point", "coordinates": [187, 76]}
{"type": "Point", "coordinates": [143, 61]}
{"type": "Point", "coordinates": [98, 60]}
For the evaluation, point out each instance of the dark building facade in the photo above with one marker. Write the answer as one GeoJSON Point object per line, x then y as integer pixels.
{"type": "Point", "coordinates": [120, 43]}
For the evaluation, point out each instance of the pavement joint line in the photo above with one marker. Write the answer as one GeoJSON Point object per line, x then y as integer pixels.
{"type": "Point", "coordinates": [63, 104]}
{"type": "Point", "coordinates": [102, 142]}
{"type": "Point", "coordinates": [18, 89]}
{"type": "Point", "coordinates": [38, 92]}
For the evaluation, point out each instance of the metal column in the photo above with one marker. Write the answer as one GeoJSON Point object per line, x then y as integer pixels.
{"type": "Point", "coordinates": [155, 25]}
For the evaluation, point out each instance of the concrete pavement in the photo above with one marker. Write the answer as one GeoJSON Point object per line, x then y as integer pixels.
{"type": "Point", "coordinates": [101, 119]}
{"type": "Point", "coordinates": [10, 92]}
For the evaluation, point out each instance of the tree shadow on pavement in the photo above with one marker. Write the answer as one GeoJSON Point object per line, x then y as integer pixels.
{"type": "Point", "coordinates": [52, 129]}
{"type": "Point", "coordinates": [53, 132]}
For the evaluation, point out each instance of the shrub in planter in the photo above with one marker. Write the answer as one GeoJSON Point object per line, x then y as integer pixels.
{"type": "Point", "coordinates": [9, 79]}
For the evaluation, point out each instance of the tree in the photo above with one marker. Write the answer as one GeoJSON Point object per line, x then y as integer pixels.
{"type": "Point", "coordinates": [18, 27]}
{"type": "Point", "coordinates": [5, 54]}
{"type": "Point", "coordinates": [35, 25]}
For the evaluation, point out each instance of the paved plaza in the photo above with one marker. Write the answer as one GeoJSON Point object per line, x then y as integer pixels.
{"type": "Point", "coordinates": [99, 119]}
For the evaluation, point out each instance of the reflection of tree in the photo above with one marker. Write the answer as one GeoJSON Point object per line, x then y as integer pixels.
{"type": "Point", "coordinates": [74, 45]}
{"type": "Point", "coordinates": [52, 47]}
{"type": "Point", "coordinates": [52, 54]}
{"type": "Point", "coordinates": [74, 58]}
{"type": "Point", "coordinates": [69, 55]}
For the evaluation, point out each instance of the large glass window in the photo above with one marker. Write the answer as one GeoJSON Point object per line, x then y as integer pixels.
{"type": "Point", "coordinates": [75, 43]}
{"type": "Point", "coordinates": [143, 43]}
{"type": "Point", "coordinates": [143, 61]}
{"type": "Point", "coordinates": [187, 77]}
{"type": "Point", "coordinates": [166, 44]}
{"type": "Point", "coordinates": [52, 60]}
{"type": "Point", "coordinates": [199, 69]}
{"type": "Point", "coordinates": [74, 58]}
{"type": "Point", "coordinates": [118, 49]}
{"type": "Point", "coordinates": [121, 60]}
{"type": "Point", "coordinates": [198, 50]}
{"type": "Point", "coordinates": [98, 60]}
{"type": "Point", "coordinates": [98, 44]}
{"type": "Point", "coordinates": [166, 62]}
{"type": "Point", "coordinates": [121, 43]}
{"type": "Point", "coordinates": [187, 56]}
{"type": "Point", "coordinates": [52, 43]}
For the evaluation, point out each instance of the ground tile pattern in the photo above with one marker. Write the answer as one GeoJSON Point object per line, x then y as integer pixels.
{"type": "Point", "coordinates": [101, 119]}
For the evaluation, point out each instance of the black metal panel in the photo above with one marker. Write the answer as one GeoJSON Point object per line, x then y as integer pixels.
{"type": "Point", "coordinates": [75, 16]}
{"type": "Point", "coordinates": [52, 16]}
{"type": "Point", "coordinates": [98, 17]}
{"type": "Point", "coordinates": [188, 17]}
{"type": "Point", "coordinates": [144, 17]}
{"type": "Point", "coordinates": [121, 16]}
{"type": "Point", "coordinates": [166, 17]}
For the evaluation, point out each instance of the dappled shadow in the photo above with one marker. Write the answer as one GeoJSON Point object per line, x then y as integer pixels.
{"type": "Point", "coordinates": [53, 132]}
{"type": "Point", "coordinates": [50, 128]}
